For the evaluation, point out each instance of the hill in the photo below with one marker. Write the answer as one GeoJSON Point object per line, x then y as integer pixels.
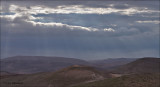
{"type": "Point", "coordinates": [66, 77]}
{"type": "Point", "coordinates": [34, 64]}
{"type": "Point", "coordinates": [133, 80]}
{"type": "Point", "coordinates": [111, 62]}
{"type": "Point", "coordinates": [4, 74]}
{"type": "Point", "coordinates": [142, 72]}
{"type": "Point", "coordinates": [143, 65]}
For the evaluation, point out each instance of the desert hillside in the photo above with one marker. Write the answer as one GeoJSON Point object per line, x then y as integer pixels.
{"type": "Point", "coordinates": [66, 77]}
{"type": "Point", "coordinates": [142, 72]}
{"type": "Point", "coordinates": [143, 65]}
{"type": "Point", "coordinates": [134, 80]}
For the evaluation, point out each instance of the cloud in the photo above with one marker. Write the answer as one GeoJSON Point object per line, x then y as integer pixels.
{"type": "Point", "coordinates": [63, 25]}
{"type": "Point", "coordinates": [80, 29]}
{"type": "Point", "coordinates": [28, 12]}
{"type": "Point", "coordinates": [109, 29]}
{"type": "Point", "coordinates": [78, 9]}
{"type": "Point", "coordinates": [150, 21]}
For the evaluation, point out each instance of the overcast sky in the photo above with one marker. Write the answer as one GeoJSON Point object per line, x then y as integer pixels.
{"type": "Point", "coordinates": [80, 29]}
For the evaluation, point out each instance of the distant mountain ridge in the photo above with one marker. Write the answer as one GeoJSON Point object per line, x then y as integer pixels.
{"type": "Point", "coordinates": [143, 65]}
{"type": "Point", "coordinates": [111, 62]}
{"type": "Point", "coordinates": [34, 64]}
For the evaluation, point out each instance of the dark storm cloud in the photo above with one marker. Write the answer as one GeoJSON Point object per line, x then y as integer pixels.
{"type": "Point", "coordinates": [63, 34]}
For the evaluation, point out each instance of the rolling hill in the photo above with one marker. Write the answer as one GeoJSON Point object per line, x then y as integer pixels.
{"type": "Point", "coordinates": [143, 65]}
{"type": "Point", "coordinates": [110, 63]}
{"type": "Point", "coordinates": [142, 72]}
{"type": "Point", "coordinates": [4, 74]}
{"type": "Point", "coordinates": [66, 77]}
{"type": "Point", "coordinates": [34, 64]}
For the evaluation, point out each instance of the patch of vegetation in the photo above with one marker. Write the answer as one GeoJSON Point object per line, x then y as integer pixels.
{"type": "Point", "coordinates": [135, 80]}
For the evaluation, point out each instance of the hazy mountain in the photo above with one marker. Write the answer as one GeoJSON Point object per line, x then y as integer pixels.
{"type": "Point", "coordinates": [143, 65]}
{"type": "Point", "coordinates": [33, 64]}
{"type": "Point", "coordinates": [111, 62]}
{"type": "Point", "coordinates": [66, 77]}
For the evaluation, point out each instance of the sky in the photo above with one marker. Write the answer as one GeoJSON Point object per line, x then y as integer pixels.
{"type": "Point", "coordinates": [80, 29]}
